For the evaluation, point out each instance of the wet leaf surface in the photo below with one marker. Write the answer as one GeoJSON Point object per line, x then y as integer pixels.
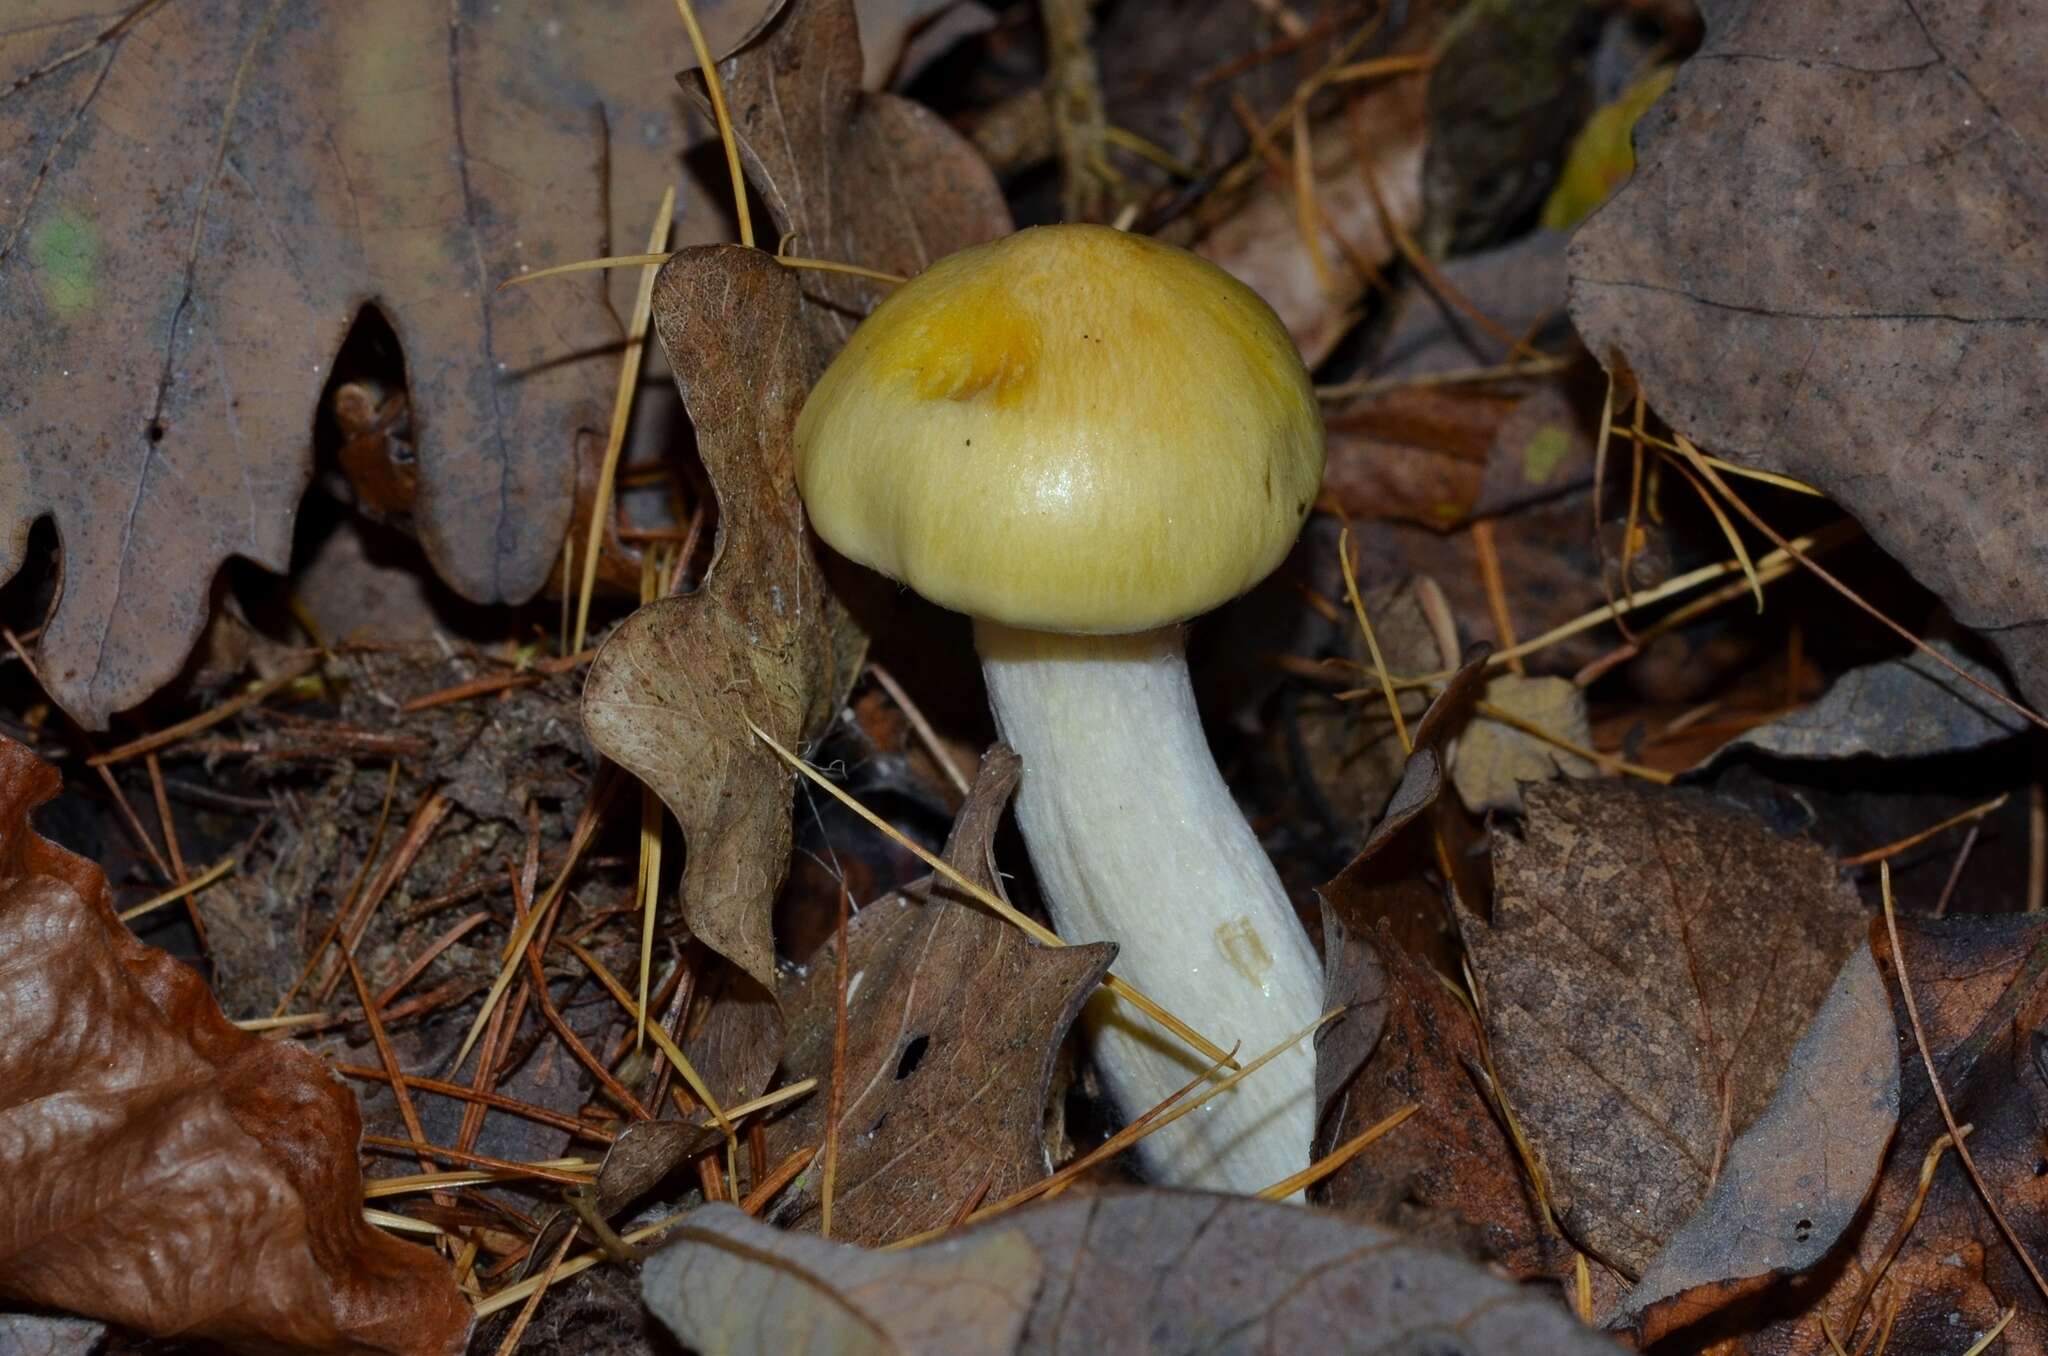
{"type": "Point", "coordinates": [1828, 264]}
{"type": "Point", "coordinates": [1653, 957]}
{"type": "Point", "coordinates": [168, 1172]}
{"type": "Point", "coordinates": [279, 165]}
{"type": "Point", "coordinates": [954, 1019]}
{"type": "Point", "coordinates": [1123, 1270]}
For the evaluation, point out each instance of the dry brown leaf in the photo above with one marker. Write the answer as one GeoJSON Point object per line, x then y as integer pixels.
{"type": "Point", "coordinates": [733, 1285]}
{"type": "Point", "coordinates": [867, 179]}
{"type": "Point", "coordinates": [1910, 707]}
{"type": "Point", "coordinates": [279, 165]}
{"type": "Point", "coordinates": [1653, 957]}
{"type": "Point", "coordinates": [671, 692]}
{"type": "Point", "coordinates": [1262, 242]}
{"type": "Point", "coordinates": [1494, 761]}
{"type": "Point", "coordinates": [1125, 1270]}
{"type": "Point", "coordinates": [1449, 1174]}
{"type": "Point", "coordinates": [1797, 1178]}
{"type": "Point", "coordinates": [167, 1172]}
{"type": "Point", "coordinates": [764, 640]}
{"type": "Point", "coordinates": [1982, 988]}
{"type": "Point", "coordinates": [1829, 264]}
{"type": "Point", "coordinates": [952, 1032]}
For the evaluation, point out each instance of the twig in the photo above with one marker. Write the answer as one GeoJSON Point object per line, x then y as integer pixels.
{"type": "Point", "coordinates": [206, 719]}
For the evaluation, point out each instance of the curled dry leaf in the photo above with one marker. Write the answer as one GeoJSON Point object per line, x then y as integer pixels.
{"type": "Point", "coordinates": [764, 639]}
{"type": "Point", "coordinates": [1123, 1270]}
{"type": "Point", "coordinates": [952, 1031]}
{"type": "Point", "coordinates": [280, 165]}
{"type": "Point", "coordinates": [1382, 136]}
{"type": "Point", "coordinates": [1653, 956]}
{"type": "Point", "coordinates": [734, 1285]}
{"type": "Point", "coordinates": [671, 693]}
{"type": "Point", "coordinates": [1796, 1179]}
{"type": "Point", "coordinates": [1829, 264]}
{"type": "Point", "coordinates": [166, 1171]}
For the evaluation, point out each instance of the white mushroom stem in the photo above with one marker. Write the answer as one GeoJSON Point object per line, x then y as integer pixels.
{"type": "Point", "coordinates": [1136, 840]}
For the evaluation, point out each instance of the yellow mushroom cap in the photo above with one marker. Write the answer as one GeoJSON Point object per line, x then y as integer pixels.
{"type": "Point", "coordinates": [1070, 429]}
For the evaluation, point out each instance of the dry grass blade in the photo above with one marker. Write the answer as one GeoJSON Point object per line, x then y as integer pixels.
{"type": "Point", "coordinates": [622, 410]}
{"type": "Point", "coordinates": [1000, 907]}
{"type": "Point", "coordinates": [1900, 1234]}
{"type": "Point", "coordinates": [716, 89]}
{"type": "Point", "coordinates": [1891, 927]}
{"type": "Point", "coordinates": [515, 949]}
{"type": "Point", "coordinates": [1372, 642]}
{"type": "Point", "coordinates": [1586, 751]}
{"type": "Point", "coordinates": [1975, 812]}
{"type": "Point", "coordinates": [723, 1119]}
{"type": "Point", "coordinates": [190, 887]}
{"type": "Point", "coordinates": [1338, 1157]}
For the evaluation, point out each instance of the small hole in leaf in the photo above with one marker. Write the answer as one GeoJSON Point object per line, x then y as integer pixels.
{"type": "Point", "coordinates": [156, 430]}
{"type": "Point", "coordinates": [2041, 1167]}
{"type": "Point", "coordinates": [913, 1055]}
{"type": "Point", "coordinates": [1802, 1230]}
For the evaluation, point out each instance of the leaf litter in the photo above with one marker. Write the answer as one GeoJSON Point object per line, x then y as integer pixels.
{"type": "Point", "coordinates": [413, 847]}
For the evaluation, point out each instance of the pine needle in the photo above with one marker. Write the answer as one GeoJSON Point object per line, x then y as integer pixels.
{"type": "Point", "coordinates": [716, 88]}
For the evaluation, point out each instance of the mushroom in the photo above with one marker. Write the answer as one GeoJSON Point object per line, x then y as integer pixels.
{"type": "Point", "coordinates": [1083, 438]}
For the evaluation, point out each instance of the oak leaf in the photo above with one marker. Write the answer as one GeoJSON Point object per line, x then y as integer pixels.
{"type": "Point", "coordinates": [280, 165]}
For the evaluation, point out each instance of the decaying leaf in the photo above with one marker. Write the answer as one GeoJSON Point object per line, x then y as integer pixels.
{"type": "Point", "coordinates": [1909, 707]}
{"type": "Point", "coordinates": [1829, 264]}
{"type": "Point", "coordinates": [1982, 989]}
{"type": "Point", "coordinates": [280, 165]}
{"type": "Point", "coordinates": [1653, 956]}
{"type": "Point", "coordinates": [1123, 1270]}
{"type": "Point", "coordinates": [1796, 1179]}
{"type": "Point", "coordinates": [733, 1285]}
{"type": "Point", "coordinates": [166, 1171]}
{"type": "Point", "coordinates": [1449, 1174]}
{"type": "Point", "coordinates": [764, 640]}
{"type": "Point", "coordinates": [1262, 242]}
{"type": "Point", "coordinates": [867, 179]}
{"type": "Point", "coordinates": [670, 694]}
{"type": "Point", "coordinates": [954, 1018]}
{"type": "Point", "coordinates": [1495, 760]}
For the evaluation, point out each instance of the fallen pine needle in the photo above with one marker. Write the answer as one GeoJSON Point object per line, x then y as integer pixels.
{"type": "Point", "coordinates": [546, 1278]}
{"type": "Point", "coordinates": [1337, 1157]}
{"type": "Point", "coordinates": [661, 1038]}
{"type": "Point", "coordinates": [1988, 1338]}
{"type": "Point", "coordinates": [206, 719]}
{"type": "Point", "coordinates": [172, 896]}
{"type": "Point", "coordinates": [770, 1186]}
{"type": "Point", "coordinates": [512, 1294]}
{"type": "Point", "coordinates": [1948, 1116]}
{"type": "Point", "coordinates": [707, 62]}
{"type": "Point", "coordinates": [1899, 1235]}
{"type": "Point", "coordinates": [1878, 854]}
{"type": "Point", "coordinates": [568, 1171]}
{"type": "Point", "coordinates": [1502, 716]}
{"type": "Point", "coordinates": [403, 1224]}
{"type": "Point", "coordinates": [1000, 907]}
